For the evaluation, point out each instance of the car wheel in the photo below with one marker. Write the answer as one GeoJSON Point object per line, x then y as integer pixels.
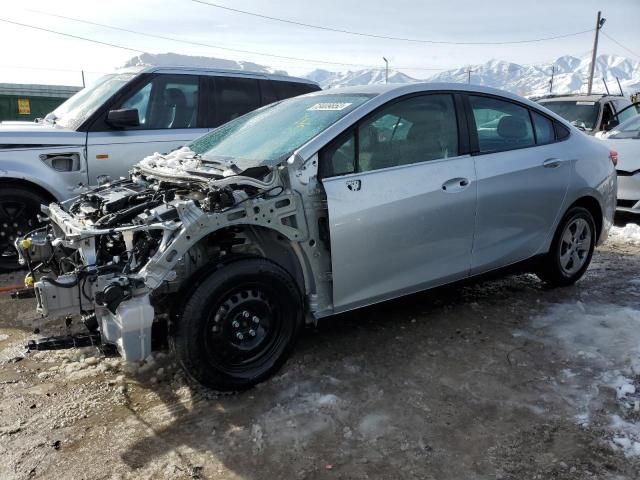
{"type": "Point", "coordinates": [19, 209]}
{"type": "Point", "coordinates": [239, 325]}
{"type": "Point", "coordinates": [571, 250]}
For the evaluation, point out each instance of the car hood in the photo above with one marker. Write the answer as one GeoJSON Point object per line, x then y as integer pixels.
{"type": "Point", "coordinates": [25, 134]}
{"type": "Point", "coordinates": [628, 152]}
{"type": "Point", "coordinates": [184, 164]}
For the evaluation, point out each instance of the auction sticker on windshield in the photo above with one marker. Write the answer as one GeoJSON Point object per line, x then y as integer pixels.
{"type": "Point", "coordinates": [328, 107]}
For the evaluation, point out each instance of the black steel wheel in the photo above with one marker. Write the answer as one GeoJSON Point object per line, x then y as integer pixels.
{"type": "Point", "coordinates": [239, 325]}
{"type": "Point", "coordinates": [18, 216]}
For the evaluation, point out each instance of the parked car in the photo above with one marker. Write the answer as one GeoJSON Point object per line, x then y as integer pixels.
{"type": "Point", "coordinates": [625, 141]}
{"type": "Point", "coordinates": [591, 113]}
{"type": "Point", "coordinates": [317, 205]}
{"type": "Point", "coordinates": [104, 129]}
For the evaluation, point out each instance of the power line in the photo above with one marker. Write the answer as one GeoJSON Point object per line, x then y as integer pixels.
{"type": "Point", "coordinates": [209, 45]}
{"type": "Point", "coordinates": [385, 37]}
{"type": "Point", "coordinates": [77, 37]}
{"type": "Point", "coordinates": [27, 67]}
{"type": "Point", "coordinates": [620, 45]}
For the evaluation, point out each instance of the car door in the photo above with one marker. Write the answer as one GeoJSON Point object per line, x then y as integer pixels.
{"type": "Point", "coordinates": [401, 196]}
{"type": "Point", "coordinates": [522, 175]}
{"type": "Point", "coordinates": [169, 110]}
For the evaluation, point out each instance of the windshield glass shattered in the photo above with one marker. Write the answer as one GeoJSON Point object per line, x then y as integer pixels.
{"type": "Point", "coordinates": [72, 113]}
{"type": "Point", "coordinates": [269, 135]}
{"type": "Point", "coordinates": [582, 114]}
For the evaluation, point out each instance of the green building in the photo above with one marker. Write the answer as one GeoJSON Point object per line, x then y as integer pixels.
{"type": "Point", "coordinates": [28, 102]}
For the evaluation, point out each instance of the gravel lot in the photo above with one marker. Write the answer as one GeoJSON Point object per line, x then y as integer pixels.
{"type": "Point", "coordinates": [503, 379]}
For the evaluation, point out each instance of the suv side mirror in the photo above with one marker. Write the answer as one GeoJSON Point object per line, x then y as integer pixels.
{"type": "Point", "coordinates": [127, 117]}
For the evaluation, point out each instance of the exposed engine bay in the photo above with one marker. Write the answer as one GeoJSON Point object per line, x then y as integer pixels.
{"type": "Point", "coordinates": [122, 255]}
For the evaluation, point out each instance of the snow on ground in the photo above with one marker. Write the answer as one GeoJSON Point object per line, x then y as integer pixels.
{"type": "Point", "coordinates": [605, 339]}
{"type": "Point", "coordinates": [630, 233]}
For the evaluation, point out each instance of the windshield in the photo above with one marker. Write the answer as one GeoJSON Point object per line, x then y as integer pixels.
{"type": "Point", "coordinates": [72, 113]}
{"type": "Point", "coordinates": [269, 135]}
{"type": "Point", "coordinates": [628, 129]}
{"type": "Point", "coordinates": [582, 114]}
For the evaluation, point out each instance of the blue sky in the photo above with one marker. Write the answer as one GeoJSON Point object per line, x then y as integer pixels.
{"type": "Point", "coordinates": [449, 20]}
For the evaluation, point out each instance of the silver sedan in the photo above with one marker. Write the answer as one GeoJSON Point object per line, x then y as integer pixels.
{"type": "Point", "coordinates": [321, 204]}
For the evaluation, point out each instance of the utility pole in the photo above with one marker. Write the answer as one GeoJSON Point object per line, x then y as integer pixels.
{"type": "Point", "coordinates": [599, 24]}
{"type": "Point", "coordinates": [553, 71]}
{"type": "Point", "coordinates": [82, 71]}
{"type": "Point", "coordinates": [386, 70]}
{"type": "Point", "coordinates": [468, 70]}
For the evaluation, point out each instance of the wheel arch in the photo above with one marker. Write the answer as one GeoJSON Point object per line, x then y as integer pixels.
{"type": "Point", "coordinates": [27, 184]}
{"type": "Point", "coordinates": [264, 243]}
{"type": "Point", "coordinates": [593, 206]}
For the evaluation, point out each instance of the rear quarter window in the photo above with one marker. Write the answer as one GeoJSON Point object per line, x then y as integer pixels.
{"type": "Point", "coordinates": [562, 132]}
{"type": "Point", "coordinates": [543, 128]}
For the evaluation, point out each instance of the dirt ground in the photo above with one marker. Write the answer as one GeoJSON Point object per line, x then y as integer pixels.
{"type": "Point", "coordinates": [498, 380]}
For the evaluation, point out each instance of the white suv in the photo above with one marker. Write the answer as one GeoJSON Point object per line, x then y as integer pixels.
{"type": "Point", "coordinates": [104, 129]}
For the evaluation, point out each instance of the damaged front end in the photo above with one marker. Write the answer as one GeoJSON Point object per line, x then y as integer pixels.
{"type": "Point", "coordinates": [123, 255]}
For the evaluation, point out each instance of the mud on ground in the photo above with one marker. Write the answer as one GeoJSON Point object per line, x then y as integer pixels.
{"type": "Point", "coordinates": [474, 382]}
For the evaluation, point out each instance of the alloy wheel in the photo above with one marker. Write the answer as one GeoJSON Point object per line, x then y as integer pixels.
{"type": "Point", "coordinates": [575, 245]}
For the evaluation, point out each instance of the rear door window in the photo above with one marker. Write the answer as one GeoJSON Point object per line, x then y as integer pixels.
{"type": "Point", "coordinates": [235, 97]}
{"type": "Point", "coordinates": [268, 92]}
{"type": "Point", "coordinates": [501, 125]}
{"type": "Point", "coordinates": [292, 89]}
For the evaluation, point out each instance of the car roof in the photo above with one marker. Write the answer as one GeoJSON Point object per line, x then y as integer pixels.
{"type": "Point", "coordinates": [579, 97]}
{"type": "Point", "coordinates": [395, 90]}
{"type": "Point", "coordinates": [217, 72]}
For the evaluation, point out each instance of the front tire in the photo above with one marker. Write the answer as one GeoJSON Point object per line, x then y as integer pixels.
{"type": "Point", "coordinates": [571, 250]}
{"type": "Point", "coordinates": [239, 325]}
{"type": "Point", "coordinates": [19, 209]}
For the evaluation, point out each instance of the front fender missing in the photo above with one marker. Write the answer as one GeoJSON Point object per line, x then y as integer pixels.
{"type": "Point", "coordinates": [282, 214]}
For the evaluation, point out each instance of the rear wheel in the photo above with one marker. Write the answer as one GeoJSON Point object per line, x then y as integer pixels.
{"type": "Point", "coordinates": [19, 208]}
{"type": "Point", "coordinates": [571, 250]}
{"type": "Point", "coordinates": [239, 325]}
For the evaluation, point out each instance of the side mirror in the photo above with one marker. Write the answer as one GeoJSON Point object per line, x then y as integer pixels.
{"type": "Point", "coordinates": [127, 117]}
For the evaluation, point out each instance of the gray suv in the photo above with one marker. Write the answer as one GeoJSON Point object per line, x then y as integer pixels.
{"type": "Point", "coordinates": [591, 113]}
{"type": "Point", "coordinates": [104, 129]}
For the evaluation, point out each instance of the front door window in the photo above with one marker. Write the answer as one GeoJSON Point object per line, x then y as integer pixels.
{"type": "Point", "coordinates": [414, 130]}
{"type": "Point", "coordinates": [167, 101]}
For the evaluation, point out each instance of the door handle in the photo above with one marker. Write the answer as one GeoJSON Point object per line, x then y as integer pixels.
{"type": "Point", "coordinates": [551, 163]}
{"type": "Point", "coordinates": [455, 184]}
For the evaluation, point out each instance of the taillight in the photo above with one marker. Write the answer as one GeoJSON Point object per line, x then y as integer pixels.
{"type": "Point", "coordinates": [613, 155]}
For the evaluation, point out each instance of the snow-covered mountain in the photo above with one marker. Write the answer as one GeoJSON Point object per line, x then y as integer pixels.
{"type": "Point", "coordinates": [571, 75]}
{"type": "Point", "coordinates": [328, 79]}
{"type": "Point", "coordinates": [175, 59]}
